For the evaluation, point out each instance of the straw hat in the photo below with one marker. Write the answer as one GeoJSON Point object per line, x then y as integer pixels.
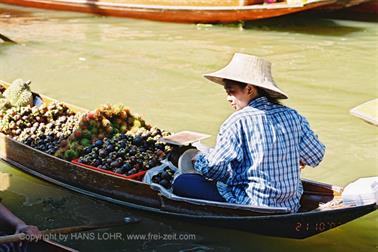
{"type": "Point", "coordinates": [251, 70]}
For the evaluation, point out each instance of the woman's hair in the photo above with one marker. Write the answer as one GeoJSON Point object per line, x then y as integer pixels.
{"type": "Point", "coordinates": [271, 99]}
{"type": "Point", "coordinates": [260, 91]}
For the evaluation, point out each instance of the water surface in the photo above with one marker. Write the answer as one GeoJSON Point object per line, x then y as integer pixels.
{"type": "Point", "coordinates": [326, 66]}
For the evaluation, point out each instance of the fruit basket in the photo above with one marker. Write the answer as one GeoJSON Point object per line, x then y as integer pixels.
{"type": "Point", "coordinates": [137, 176]}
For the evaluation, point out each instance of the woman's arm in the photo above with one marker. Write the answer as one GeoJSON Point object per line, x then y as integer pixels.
{"type": "Point", "coordinates": [8, 219]}
{"type": "Point", "coordinates": [217, 163]}
{"type": "Point", "coordinates": [311, 149]}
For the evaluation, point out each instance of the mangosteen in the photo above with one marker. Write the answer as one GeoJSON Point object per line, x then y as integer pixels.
{"type": "Point", "coordinates": [106, 167]}
{"type": "Point", "coordinates": [122, 145]}
{"type": "Point", "coordinates": [87, 150]}
{"type": "Point", "coordinates": [159, 146]}
{"type": "Point", "coordinates": [138, 140]}
{"type": "Point", "coordinates": [131, 172]}
{"type": "Point", "coordinates": [120, 170]}
{"type": "Point", "coordinates": [137, 166]}
{"type": "Point", "coordinates": [113, 155]}
{"type": "Point", "coordinates": [110, 148]}
{"type": "Point", "coordinates": [114, 164]}
{"type": "Point", "coordinates": [151, 142]}
{"type": "Point", "coordinates": [99, 143]}
{"type": "Point", "coordinates": [102, 153]}
{"type": "Point", "coordinates": [165, 183]}
{"type": "Point", "coordinates": [126, 167]}
{"type": "Point", "coordinates": [165, 175]}
{"type": "Point", "coordinates": [121, 152]}
{"type": "Point", "coordinates": [151, 163]}
{"type": "Point", "coordinates": [132, 150]}
{"type": "Point", "coordinates": [156, 179]}
{"type": "Point", "coordinates": [96, 162]}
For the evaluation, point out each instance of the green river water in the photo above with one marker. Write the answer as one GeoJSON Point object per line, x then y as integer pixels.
{"type": "Point", "coordinates": [326, 66]}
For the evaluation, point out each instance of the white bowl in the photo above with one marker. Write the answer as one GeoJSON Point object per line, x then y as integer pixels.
{"type": "Point", "coordinates": [185, 164]}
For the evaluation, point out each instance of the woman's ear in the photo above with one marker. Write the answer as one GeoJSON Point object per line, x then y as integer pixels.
{"type": "Point", "coordinates": [251, 90]}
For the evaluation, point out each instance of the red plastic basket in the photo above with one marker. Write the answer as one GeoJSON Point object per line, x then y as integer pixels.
{"type": "Point", "coordinates": [137, 176]}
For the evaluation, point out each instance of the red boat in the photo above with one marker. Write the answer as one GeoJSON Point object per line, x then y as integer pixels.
{"type": "Point", "coordinates": [189, 11]}
{"type": "Point", "coordinates": [370, 7]}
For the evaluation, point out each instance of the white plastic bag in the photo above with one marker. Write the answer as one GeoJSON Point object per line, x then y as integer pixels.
{"type": "Point", "coordinates": [155, 170]}
{"type": "Point", "coordinates": [363, 191]}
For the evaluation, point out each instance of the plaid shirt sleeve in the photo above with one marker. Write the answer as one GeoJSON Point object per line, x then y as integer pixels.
{"type": "Point", "coordinates": [311, 150]}
{"type": "Point", "coordinates": [217, 163]}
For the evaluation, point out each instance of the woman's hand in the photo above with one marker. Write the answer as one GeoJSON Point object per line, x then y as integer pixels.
{"type": "Point", "coordinates": [302, 165]}
{"type": "Point", "coordinates": [195, 157]}
{"type": "Point", "coordinates": [29, 230]}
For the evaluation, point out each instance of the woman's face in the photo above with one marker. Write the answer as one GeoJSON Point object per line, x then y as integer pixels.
{"type": "Point", "coordinates": [239, 97]}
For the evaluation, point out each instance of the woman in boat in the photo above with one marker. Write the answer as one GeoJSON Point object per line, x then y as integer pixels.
{"type": "Point", "coordinates": [260, 148]}
{"type": "Point", "coordinates": [11, 222]}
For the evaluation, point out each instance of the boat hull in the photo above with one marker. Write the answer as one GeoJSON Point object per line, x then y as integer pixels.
{"type": "Point", "coordinates": [340, 4]}
{"type": "Point", "coordinates": [370, 7]}
{"type": "Point", "coordinates": [179, 14]}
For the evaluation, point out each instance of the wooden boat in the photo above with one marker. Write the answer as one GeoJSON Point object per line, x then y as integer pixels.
{"type": "Point", "coordinates": [185, 11]}
{"type": "Point", "coordinates": [42, 246]}
{"type": "Point", "coordinates": [369, 7]}
{"type": "Point", "coordinates": [339, 4]}
{"type": "Point", "coordinates": [313, 217]}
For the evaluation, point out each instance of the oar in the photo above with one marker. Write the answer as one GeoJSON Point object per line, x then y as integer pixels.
{"type": "Point", "coordinates": [6, 39]}
{"type": "Point", "coordinates": [67, 230]}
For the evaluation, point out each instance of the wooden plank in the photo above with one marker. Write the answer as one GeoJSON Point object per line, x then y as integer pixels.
{"type": "Point", "coordinates": [184, 138]}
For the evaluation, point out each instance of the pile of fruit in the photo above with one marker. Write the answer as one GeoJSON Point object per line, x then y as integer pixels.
{"type": "Point", "coordinates": [164, 178]}
{"type": "Point", "coordinates": [126, 153]}
{"type": "Point", "coordinates": [110, 137]}
{"type": "Point", "coordinates": [101, 123]}
{"type": "Point", "coordinates": [43, 128]}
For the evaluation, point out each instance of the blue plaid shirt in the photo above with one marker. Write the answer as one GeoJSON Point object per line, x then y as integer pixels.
{"type": "Point", "coordinates": [257, 155]}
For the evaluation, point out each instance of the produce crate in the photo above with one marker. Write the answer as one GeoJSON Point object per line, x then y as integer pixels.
{"type": "Point", "coordinates": [137, 176]}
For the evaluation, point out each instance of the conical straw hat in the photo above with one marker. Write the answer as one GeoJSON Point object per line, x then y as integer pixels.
{"type": "Point", "coordinates": [251, 70]}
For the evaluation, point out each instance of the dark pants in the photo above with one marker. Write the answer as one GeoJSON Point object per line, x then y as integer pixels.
{"type": "Point", "coordinates": [196, 186]}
